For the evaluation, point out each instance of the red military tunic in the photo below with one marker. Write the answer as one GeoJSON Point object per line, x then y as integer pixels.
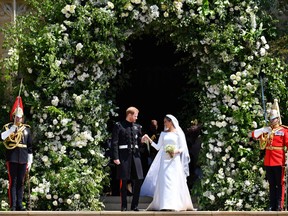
{"type": "Point", "coordinates": [275, 148]}
{"type": "Point", "coordinates": [276, 144]}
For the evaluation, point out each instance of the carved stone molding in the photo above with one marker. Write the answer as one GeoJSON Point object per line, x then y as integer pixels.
{"type": "Point", "coordinates": [11, 8]}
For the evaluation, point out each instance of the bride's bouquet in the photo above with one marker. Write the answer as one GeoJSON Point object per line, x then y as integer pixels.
{"type": "Point", "coordinates": [169, 149]}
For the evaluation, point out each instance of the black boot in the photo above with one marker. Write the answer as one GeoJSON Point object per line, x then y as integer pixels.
{"type": "Point", "coordinates": [271, 209]}
{"type": "Point", "coordinates": [20, 208]}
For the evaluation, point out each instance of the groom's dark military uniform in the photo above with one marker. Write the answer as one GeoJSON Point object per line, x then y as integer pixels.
{"type": "Point", "coordinates": [126, 138]}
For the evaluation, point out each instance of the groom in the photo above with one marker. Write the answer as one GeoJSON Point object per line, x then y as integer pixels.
{"type": "Point", "coordinates": [126, 139]}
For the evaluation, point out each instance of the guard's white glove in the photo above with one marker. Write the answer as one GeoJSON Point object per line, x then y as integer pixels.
{"type": "Point", "coordinates": [6, 133]}
{"type": "Point", "coordinates": [30, 161]}
{"type": "Point", "coordinates": [258, 132]}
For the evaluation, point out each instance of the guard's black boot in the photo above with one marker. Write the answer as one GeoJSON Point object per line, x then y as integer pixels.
{"type": "Point", "coordinates": [279, 208]}
{"type": "Point", "coordinates": [271, 209]}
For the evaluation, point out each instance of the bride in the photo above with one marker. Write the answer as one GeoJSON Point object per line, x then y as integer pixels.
{"type": "Point", "coordinates": [166, 178]}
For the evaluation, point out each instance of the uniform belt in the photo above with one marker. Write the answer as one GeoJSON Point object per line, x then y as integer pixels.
{"type": "Point", "coordinates": [126, 146]}
{"type": "Point", "coordinates": [20, 145]}
{"type": "Point", "coordinates": [275, 147]}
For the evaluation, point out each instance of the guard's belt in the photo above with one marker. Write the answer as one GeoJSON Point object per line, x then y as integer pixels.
{"type": "Point", "coordinates": [17, 145]}
{"type": "Point", "coordinates": [126, 146]}
{"type": "Point", "coordinates": [275, 147]}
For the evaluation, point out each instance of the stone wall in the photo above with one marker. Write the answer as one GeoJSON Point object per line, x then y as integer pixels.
{"type": "Point", "coordinates": [9, 10]}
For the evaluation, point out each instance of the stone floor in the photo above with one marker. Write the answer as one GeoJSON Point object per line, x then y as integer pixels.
{"type": "Point", "coordinates": [112, 208]}
{"type": "Point", "coordinates": [143, 213]}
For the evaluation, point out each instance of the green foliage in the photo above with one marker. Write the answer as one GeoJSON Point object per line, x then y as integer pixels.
{"type": "Point", "coordinates": [70, 54]}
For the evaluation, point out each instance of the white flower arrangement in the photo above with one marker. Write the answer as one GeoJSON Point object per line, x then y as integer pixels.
{"type": "Point", "coordinates": [169, 149]}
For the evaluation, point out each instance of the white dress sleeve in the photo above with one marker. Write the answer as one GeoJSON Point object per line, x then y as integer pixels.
{"type": "Point", "coordinates": [158, 145]}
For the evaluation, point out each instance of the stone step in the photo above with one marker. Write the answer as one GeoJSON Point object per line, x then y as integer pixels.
{"type": "Point", "coordinates": [113, 203]}
{"type": "Point", "coordinates": [143, 213]}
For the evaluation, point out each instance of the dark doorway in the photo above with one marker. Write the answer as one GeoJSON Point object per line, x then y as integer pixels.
{"type": "Point", "coordinates": [155, 84]}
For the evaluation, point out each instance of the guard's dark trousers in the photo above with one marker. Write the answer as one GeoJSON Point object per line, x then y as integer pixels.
{"type": "Point", "coordinates": [16, 174]}
{"type": "Point", "coordinates": [275, 177]}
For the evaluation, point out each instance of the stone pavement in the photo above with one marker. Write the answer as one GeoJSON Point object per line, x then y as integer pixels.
{"type": "Point", "coordinates": [143, 213]}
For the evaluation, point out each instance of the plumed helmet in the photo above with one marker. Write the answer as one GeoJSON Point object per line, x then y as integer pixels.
{"type": "Point", "coordinates": [17, 109]}
{"type": "Point", "coordinates": [18, 112]}
{"type": "Point", "coordinates": [275, 111]}
{"type": "Point", "coordinates": [274, 114]}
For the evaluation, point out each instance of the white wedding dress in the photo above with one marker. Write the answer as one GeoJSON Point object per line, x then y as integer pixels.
{"type": "Point", "coordinates": [166, 178]}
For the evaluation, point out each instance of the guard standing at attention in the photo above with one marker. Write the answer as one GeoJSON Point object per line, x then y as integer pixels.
{"type": "Point", "coordinates": [18, 142]}
{"type": "Point", "coordinates": [126, 138]}
{"type": "Point", "coordinates": [274, 139]}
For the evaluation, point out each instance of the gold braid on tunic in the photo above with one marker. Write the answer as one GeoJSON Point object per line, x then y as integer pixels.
{"type": "Point", "coordinates": [14, 138]}
{"type": "Point", "coordinates": [265, 138]}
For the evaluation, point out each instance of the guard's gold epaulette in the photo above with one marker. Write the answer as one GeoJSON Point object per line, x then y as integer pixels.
{"type": "Point", "coordinates": [11, 123]}
{"type": "Point", "coordinates": [6, 125]}
{"type": "Point", "coordinates": [25, 125]}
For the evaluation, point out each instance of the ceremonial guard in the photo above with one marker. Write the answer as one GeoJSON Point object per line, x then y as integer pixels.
{"type": "Point", "coordinates": [126, 138]}
{"type": "Point", "coordinates": [274, 139]}
{"type": "Point", "coordinates": [18, 142]}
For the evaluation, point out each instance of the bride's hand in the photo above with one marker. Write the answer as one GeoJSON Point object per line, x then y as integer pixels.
{"type": "Point", "coordinates": [145, 139]}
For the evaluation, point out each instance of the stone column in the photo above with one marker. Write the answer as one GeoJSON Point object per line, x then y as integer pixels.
{"type": "Point", "coordinates": [9, 9]}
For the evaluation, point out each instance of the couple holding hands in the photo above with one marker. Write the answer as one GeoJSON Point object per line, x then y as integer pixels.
{"type": "Point", "coordinates": [166, 177]}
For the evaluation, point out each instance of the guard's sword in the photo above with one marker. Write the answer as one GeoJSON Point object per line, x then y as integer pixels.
{"type": "Point", "coordinates": [261, 75]}
{"type": "Point", "coordinates": [29, 192]}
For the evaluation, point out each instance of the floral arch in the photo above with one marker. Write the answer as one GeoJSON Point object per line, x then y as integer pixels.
{"type": "Point", "coordinates": [69, 55]}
